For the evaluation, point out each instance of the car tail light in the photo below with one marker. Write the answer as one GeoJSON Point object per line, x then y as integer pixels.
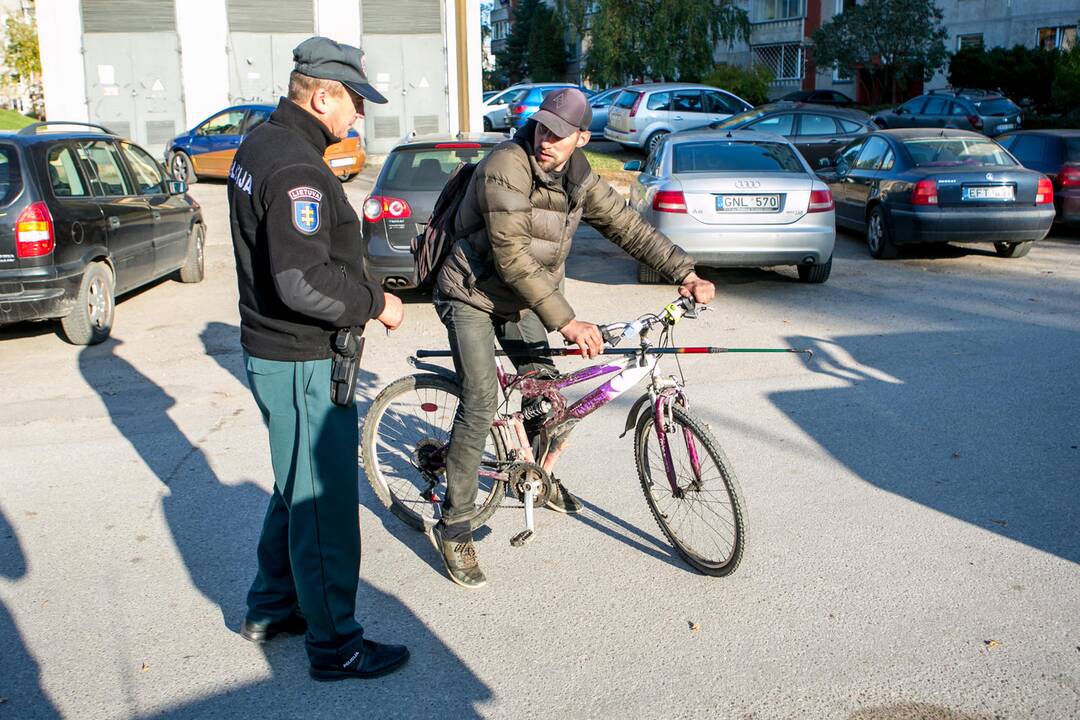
{"type": "Point", "coordinates": [517, 109]}
{"type": "Point", "coordinates": [379, 207]}
{"type": "Point", "coordinates": [1045, 193]}
{"type": "Point", "coordinates": [976, 121]}
{"type": "Point", "coordinates": [457, 146]}
{"type": "Point", "coordinates": [34, 231]}
{"type": "Point", "coordinates": [1069, 176]}
{"type": "Point", "coordinates": [821, 201]}
{"type": "Point", "coordinates": [633, 110]}
{"type": "Point", "coordinates": [924, 193]}
{"type": "Point", "coordinates": [672, 201]}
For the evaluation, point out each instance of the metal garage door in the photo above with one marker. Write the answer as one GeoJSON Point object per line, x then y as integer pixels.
{"type": "Point", "coordinates": [406, 61]}
{"type": "Point", "coordinates": [132, 56]}
{"type": "Point", "coordinates": [262, 35]}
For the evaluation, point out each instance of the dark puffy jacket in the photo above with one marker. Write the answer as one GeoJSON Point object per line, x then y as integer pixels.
{"type": "Point", "coordinates": [516, 260]}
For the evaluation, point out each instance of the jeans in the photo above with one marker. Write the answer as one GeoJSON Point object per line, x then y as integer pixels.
{"type": "Point", "coordinates": [472, 335]}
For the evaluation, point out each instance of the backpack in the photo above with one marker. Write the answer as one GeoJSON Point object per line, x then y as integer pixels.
{"type": "Point", "coordinates": [431, 247]}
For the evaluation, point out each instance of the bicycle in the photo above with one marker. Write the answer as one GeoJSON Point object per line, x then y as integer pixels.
{"type": "Point", "coordinates": [407, 430]}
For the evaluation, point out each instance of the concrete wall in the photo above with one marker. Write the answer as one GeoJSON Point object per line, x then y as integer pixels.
{"type": "Point", "coordinates": [63, 73]}
{"type": "Point", "coordinates": [203, 31]}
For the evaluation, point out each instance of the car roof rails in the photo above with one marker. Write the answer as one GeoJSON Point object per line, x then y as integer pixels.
{"type": "Point", "coordinates": [32, 128]}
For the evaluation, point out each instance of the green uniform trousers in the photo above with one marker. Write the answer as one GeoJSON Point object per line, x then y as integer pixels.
{"type": "Point", "coordinates": [309, 551]}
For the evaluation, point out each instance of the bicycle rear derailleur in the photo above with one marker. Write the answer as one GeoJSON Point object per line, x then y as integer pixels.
{"type": "Point", "coordinates": [533, 486]}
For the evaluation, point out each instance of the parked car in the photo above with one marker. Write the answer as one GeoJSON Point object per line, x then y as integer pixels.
{"type": "Point", "coordinates": [527, 101]}
{"type": "Point", "coordinates": [736, 198]}
{"type": "Point", "coordinates": [488, 94]}
{"type": "Point", "coordinates": [643, 114]}
{"type": "Point", "coordinates": [207, 149]}
{"type": "Point", "coordinates": [404, 195]}
{"type": "Point", "coordinates": [1056, 154]}
{"type": "Point", "coordinates": [820, 97]}
{"type": "Point", "coordinates": [917, 186]}
{"type": "Point", "coordinates": [987, 113]}
{"type": "Point", "coordinates": [88, 216]}
{"type": "Point", "coordinates": [601, 103]}
{"type": "Point", "coordinates": [816, 130]}
{"type": "Point", "coordinates": [495, 109]}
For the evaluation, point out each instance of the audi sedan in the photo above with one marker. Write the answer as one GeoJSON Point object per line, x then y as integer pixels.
{"type": "Point", "coordinates": [919, 186]}
{"type": "Point", "coordinates": [737, 199]}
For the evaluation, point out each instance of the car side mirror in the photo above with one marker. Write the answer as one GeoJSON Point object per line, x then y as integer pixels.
{"type": "Point", "coordinates": [632, 166]}
{"type": "Point", "coordinates": [177, 187]}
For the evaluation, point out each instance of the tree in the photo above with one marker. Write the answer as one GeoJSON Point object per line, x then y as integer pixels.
{"type": "Point", "coordinates": [1019, 72]}
{"type": "Point", "coordinates": [660, 39]}
{"type": "Point", "coordinates": [535, 48]}
{"type": "Point", "coordinates": [892, 42]}
{"type": "Point", "coordinates": [1066, 88]}
{"type": "Point", "coordinates": [21, 52]}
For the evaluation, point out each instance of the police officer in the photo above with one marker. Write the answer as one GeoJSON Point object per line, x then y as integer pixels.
{"type": "Point", "coordinates": [298, 262]}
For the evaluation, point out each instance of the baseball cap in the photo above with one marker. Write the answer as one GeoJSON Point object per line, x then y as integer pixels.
{"type": "Point", "coordinates": [564, 111]}
{"type": "Point", "coordinates": [321, 57]}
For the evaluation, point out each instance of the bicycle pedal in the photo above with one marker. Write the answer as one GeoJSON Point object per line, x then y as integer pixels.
{"type": "Point", "coordinates": [521, 538]}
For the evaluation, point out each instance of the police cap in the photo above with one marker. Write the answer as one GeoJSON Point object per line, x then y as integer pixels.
{"type": "Point", "coordinates": [321, 57]}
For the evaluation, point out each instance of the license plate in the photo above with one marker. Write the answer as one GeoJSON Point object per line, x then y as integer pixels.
{"type": "Point", "coordinates": [748, 203]}
{"type": "Point", "coordinates": [1005, 126]}
{"type": "Point", "coordinates": [992, 192]}
{"type": "Point", "coordinates": [342, 162]}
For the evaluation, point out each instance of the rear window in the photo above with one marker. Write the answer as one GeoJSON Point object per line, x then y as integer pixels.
{"type": "Point", "coordinates": [720, 156]}
{"type": "Point", "coordinates": [426, 169]}
{"type": "Point", "coordinates": [741, 119]}
{"type": "Point", "coordinates": [627, 98]}
{"type": "Point", "coordinates": [10, 176]}
{"type": "Point", "coordinates": [1072, 150]}
{"type": "Point", "coordinates": [954, 152]}
{"type": "Point", "coordinates": [996, 107]}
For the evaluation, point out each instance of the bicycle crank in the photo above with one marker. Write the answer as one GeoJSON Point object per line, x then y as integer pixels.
{"type": "Point", "coordinates": [530, 484]}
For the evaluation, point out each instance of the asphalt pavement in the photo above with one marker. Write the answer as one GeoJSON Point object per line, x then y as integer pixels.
{"type": "Point", "coordinates": [913, 546]}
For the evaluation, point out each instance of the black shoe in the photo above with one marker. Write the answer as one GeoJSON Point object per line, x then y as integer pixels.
{"type": "Point", "coordinates": [459, 559]}
{"type": "Point", "coordinates": [372, 661]}
{"type": "Point", "coordinates": [562, 501]}
{"type": "Point", "coordinates": [260, 632]}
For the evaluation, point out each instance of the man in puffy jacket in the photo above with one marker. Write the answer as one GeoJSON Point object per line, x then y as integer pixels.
{"type": "Point", "coordinates": [503, 282]}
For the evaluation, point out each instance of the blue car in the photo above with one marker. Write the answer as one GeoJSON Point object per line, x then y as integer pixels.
{"type": "Point", "coordinates": [527, 101]}
{"type": "Point", "coordinates": [601, 104]}
{"type": "Point", "coordinates": [207, 149]}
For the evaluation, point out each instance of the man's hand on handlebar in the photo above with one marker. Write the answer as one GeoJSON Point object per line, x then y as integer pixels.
{"type": "Point", "coordinates": [585, 335]}
{"type": "Point", "coordinates": [702, 291]}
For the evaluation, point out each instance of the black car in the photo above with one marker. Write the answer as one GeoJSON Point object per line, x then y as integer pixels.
{"type": "Point", "coordinates": [87, 216]}
{"type": "Point", "coordinates": [820, 97]}
{"type": "Point", "coordinates": [404, 195]}
{"type": "Point", "coordinates": [912, 186]}
{"type": "Point", "coordinates": [1056, 154]}
{"type": "Point", "coordinates": [984, 112]}
{"type": "Point", "coordinates": [816, 130]}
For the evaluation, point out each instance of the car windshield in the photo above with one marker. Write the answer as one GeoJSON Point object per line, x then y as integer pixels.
{"type": "Point", "coordinates": [953, 152]}
{"type": "Point", "coordinates": [723, 156]}
{"type": "Point", "coordinates": [627, 98]}
{"type": "Point", "coordinates": [428, 168]}
{"type": "Point", "coordinates": [1072, 150]}
{"type": "Point", "coordinates": [996, 107]}
{"type": "Point", "coordinates": [742, 118]}
{"type": "Point", "coordinates": [10, 175]}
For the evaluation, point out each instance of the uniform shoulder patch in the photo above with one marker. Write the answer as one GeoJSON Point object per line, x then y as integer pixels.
{"type": "Point", "coordinates": [306, 213]}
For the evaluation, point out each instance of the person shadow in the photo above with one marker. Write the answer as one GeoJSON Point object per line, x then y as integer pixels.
{"type": "Point", "coordinates": [215, 528]}
{"type": "Point", "coordinates": [20, 674]}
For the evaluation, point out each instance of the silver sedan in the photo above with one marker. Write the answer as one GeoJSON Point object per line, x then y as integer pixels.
{"type": "Point", "coordinates": [737, 199]}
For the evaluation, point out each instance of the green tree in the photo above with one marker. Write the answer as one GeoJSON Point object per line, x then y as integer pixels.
{"type": "Point", "coordinates": [21, 52]}
{"type": "Point", "coordinates": [1066, 86]}
{"type": "Point", "coordinates": [660, 39]}
{"type": "Point", "coordinates": [892, 42]}
{"type": "Point", "coordinates": [512, 62]}
{"type": "Point", "coordinates": [546, 58]}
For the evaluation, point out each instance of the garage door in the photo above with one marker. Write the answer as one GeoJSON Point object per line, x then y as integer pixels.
{"type": "Point", "coordinates": [262, 35]}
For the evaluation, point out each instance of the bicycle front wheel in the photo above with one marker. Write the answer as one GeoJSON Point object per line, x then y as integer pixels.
{"type": "Point", "coordinates": [702, 516]}
{"type": "Point", "coordinates": [408, 422]}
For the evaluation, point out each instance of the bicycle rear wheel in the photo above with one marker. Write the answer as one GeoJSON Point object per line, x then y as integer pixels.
{"type": "Point", "coordinates": [703, 519]}
{"type": "Point", "coordinates": [408, 422]}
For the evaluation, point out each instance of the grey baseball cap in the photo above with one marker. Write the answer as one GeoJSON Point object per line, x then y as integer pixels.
{"type": "Point", "coordinates": [564, 111]}
{"type": "Point", "coordinates": [321, 57]}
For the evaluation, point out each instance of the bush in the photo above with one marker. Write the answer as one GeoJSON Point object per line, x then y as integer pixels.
{"type": "Point", "coordinates": [751, 84]}
{"type": "Point", "coordinates": [1019, 72]}
{"type": "Point", "coordinates": [1065, 91]}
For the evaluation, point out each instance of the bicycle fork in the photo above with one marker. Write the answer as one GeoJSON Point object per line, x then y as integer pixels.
{"type": "Point", "coordinates": [663, 419]}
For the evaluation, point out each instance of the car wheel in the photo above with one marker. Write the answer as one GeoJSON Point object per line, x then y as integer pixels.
{"type": "Point", "coordinates": [647, 276]}
{"type": "Point", "coordinates": [194, 268]}
{"type": "Point", "coordinates": [488, 127]}
{"type": "Point", "coordinates": [1012, 250]}
{"type": "Point", "coordinates": [817, 273]}
{"type": "Point", "coordinates": [180, 168]}
{"type": "Point", "coordinates": [654, 140]}
{"type": "Point", "coordinates": [877, 236]}
{"type": "Point", "coordinates": [91, 320]}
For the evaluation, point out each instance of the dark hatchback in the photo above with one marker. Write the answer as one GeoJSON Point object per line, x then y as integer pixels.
{"type": "Point", "coordinates": [987, 113]}
{"type": "Point", "coordinates": [1056, 154]}
{"type": "Point", "coordinates": [913, 186]}
{"type": "Point", "coordinates": [816, 130]}
{"type": "Point", "coordinates": [820, 97]}
{"type": "Point", "coordinates": [86, 216]}
{"type": "Point", "coordinates": [404, 195]}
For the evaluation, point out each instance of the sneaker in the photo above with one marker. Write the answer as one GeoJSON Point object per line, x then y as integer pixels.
{"type": "Point", "coordinates": [563, 501]}
{"type": "Point", "coordinates": [371, 661]}
{"type": "Point", "coordinates": [459, 559]}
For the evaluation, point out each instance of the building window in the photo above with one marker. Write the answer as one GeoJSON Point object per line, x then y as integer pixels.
{"type": "Point", "coordinates": [842, 6]}
{"type": "Point", "coordinates": [784, 61]}
{"type": "Point", "coordinates": [772, 10]}
{"type": "Point", "coordinates": [973, 41]}
{"type": "Point", "coordinates": [1057, 38]}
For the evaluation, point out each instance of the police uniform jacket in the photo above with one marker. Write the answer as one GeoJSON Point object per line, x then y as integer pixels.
{"type": "Point", "coordinates": [297, 242]}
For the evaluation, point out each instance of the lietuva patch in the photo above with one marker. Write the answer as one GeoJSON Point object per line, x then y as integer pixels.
{"type": "Point", "coordinates": [306, 213]}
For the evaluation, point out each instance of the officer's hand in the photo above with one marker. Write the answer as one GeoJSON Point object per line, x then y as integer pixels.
{"type": "Point", "coordinates": [393, 313]}
{"type": "Point", "coordinates": [585, 335]}
{"type": "Point", "coordinates": [702, 291]}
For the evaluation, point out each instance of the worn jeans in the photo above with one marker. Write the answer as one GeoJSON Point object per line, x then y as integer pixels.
{"type": "Point", "coordinates": [472, 335]}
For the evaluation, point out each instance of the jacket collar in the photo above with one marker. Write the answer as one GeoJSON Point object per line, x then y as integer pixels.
{"type": "Point", "coordinates": [578, 169]}
{"type": "Point", "coordinates": [290, 115]}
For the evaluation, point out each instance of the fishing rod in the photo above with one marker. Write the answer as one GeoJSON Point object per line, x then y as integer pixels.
{"type": "Point", "coordinates": [561, 352]}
